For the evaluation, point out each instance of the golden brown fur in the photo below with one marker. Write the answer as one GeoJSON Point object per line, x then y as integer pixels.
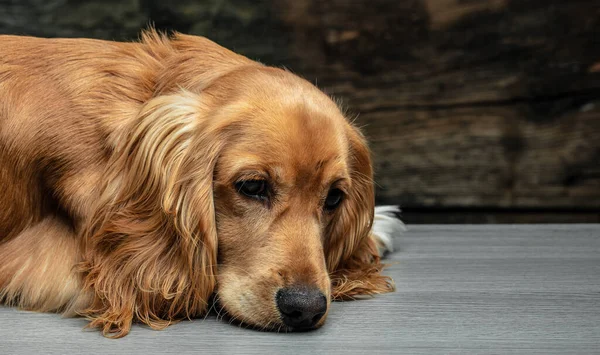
{"type": "Point", "coordinates": [118, 163]}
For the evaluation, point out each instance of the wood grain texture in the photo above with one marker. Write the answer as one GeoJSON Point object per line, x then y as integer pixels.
{"type": "Point", "coordinates": [490, 104]}
{"type": "Point", "coordinates": [467, 104]}
{"type": "Point", "coordinates": [461, 289]}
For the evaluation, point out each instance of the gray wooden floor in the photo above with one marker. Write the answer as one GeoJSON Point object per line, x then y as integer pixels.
{"type": "Point", "coordinates": [461, 289]}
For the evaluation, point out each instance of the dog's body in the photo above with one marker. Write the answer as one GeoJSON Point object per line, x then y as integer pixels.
{"type": "Point", "coordinates": [128, 170]}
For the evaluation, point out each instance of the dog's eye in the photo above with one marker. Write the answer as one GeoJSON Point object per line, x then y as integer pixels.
{"type": "Point", "coordinates": [333, 199]}
{"type": "Point", "coordinates": [252, 188]}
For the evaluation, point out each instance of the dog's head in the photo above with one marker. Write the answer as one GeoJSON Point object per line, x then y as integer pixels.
{"type": "Point", "coordinates": [292, 168]}
{"type": "Point", "coordinates": [266, 199]}
{"type": "Point", "coordinates": [293, 196]}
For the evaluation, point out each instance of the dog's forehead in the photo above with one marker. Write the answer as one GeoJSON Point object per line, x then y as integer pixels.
{"type": "Point", "coordinates": [304, 130]}
{"type": "Point", "coordinates": [288, 124]}
{"type": "Point", "coordinates": [296, 141]}
{"type": "Point", "coordinates": [312, 146]}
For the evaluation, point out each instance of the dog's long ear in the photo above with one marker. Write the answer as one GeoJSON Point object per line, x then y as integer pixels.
{"type": "Point", "coordinates": [352, 258]}
{"type": "Point", "coordinates": [151, 245]}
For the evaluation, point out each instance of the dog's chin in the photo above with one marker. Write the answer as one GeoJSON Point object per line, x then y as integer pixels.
{"type": "Point", "coordinates": [277, 326]}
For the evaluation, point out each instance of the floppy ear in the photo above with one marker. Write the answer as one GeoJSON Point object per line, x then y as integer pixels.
{"type": "Point", "coordinates": [150, 247]}
{"type": "Point", "coordinates": [351, 253]}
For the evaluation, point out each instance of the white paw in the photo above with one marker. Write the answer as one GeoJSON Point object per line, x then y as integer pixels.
{"type": "Point", "coordinates": [386, 226]}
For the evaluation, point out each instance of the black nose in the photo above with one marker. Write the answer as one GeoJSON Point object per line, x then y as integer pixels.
{"type": "Point", "coordinates": [301, 307]}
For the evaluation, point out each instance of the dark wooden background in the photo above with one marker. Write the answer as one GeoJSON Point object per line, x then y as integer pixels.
{"type": "Point", "coordinates": [476, 110]}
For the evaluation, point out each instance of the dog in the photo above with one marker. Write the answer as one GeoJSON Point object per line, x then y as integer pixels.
{"type": "Point", "coordinates": [141, 179]}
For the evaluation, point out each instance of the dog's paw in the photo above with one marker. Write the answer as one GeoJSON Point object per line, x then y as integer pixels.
{"type": "Point", "coordinates": [386, 226]}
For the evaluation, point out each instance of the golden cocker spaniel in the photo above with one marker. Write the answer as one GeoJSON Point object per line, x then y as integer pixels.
{"type": "Point", "coordinates": [140, 179]}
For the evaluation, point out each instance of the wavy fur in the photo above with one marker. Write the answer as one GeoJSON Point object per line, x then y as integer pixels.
{"type": "Point", "coordinates": [119, 163]}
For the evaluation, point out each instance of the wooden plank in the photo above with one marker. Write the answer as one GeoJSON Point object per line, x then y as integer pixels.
{"type": "Point", "coordinates": [528, 289]}
{"type": "Point", "coordinates": [468, 104]}
{"type": "Point", "coordinates": [495, 216]}
{"type": "Point", "coordinates": [486, 157]}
